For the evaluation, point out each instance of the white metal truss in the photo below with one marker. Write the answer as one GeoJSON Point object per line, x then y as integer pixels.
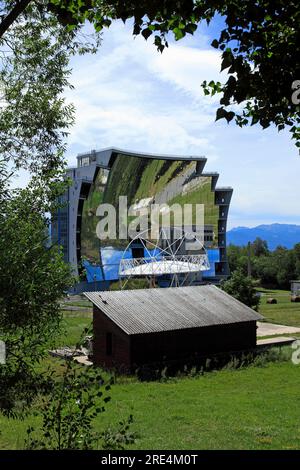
{"type": "Point", "coordinates": [152, 266]}
{"type": "Point", "coordinates": [159, 261]}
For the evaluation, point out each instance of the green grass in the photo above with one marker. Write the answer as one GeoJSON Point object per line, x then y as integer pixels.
{"type": "Point", "coordinates": [252, 408]}
{"type": "Point", "coordinates": [284, 312]}
{"type": "Point", "coordinates": [77, 303]}
{"type": "Point", "coordinates": [287, 335]}
{"type": "Point", "coordinates": [72, 326]}
{"type": "Point", "coordinates": [248, 409]}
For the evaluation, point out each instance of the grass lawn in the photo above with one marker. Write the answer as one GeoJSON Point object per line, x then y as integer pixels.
{"type": "Point", "coordinates": [72, 326]}
{"type": "Point", "coordinates": [252, 408]}
{"type": "Point", "coordinates": [284, 312]}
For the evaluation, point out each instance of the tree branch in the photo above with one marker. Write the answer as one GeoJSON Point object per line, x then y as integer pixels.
{"type": "Point", "coordinates": [13, 15]}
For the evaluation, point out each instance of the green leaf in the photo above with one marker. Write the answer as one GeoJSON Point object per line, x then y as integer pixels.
{"type": "Point", "coordinates": [221, 113]}
{"type": "Point", "coordinates": [229, 116]}
{"type": "Point", "coordinates": [146, 33]}
{"type": "Point", "coordinates": [227, 60]}
{"type": "Point", "coordinates": [179, 33]}
{"type": "Point", "coordinates": [215, 43]}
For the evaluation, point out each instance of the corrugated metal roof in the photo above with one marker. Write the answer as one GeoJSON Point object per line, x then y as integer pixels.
{"type": "Point", "coordinates": [152, 310]}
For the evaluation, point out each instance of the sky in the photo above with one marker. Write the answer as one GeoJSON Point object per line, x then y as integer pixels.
{"type": "Point", "coordinates": [131, 96]}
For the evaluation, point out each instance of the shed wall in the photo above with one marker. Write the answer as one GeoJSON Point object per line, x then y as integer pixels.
{"type": "Point", "coordinates": [120, 342]}
{"type": "Point", "coordinates": [180, 344]}
{"type": "Point", "coordinates": [128, 351]}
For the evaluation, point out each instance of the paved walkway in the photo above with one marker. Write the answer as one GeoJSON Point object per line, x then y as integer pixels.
{"type": "Point", "coordinates": [277, 341]}
{"type": "Point", "coordinates": [270, 329]}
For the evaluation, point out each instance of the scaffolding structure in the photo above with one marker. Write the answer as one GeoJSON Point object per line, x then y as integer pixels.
{"type": "Point", "coordinates": [163, 258]}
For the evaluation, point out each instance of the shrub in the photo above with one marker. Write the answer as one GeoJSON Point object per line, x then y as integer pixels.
{"type": "Point", "coordinates": [242, 288]}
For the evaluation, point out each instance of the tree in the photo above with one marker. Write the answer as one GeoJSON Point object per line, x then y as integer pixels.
{"type": "Point", "coordinates": [242, 288]}
{"type": "Point", "coordinates": [259, 44]}
{"type": "Point", "coordinates": [33, 277]}
{"type": "Point", "coordinates": [260, 247]}
{"type": "Point", "coordinates": [284, 260]}
{"type": "Point", "coordinates": [273, 268]}
{"type": "Point", "coordinates": [69, 409]}
{"type": "Point", "coordinates": [265, 269]}
{"type": "Point", "coordinates": [237, 258]}
{"type": "Point", "coordinates": [34, 120]}
{"type": "Point", "coordinates": [297, 260]}
{"type": "Point", "coordinates": [34, 117]}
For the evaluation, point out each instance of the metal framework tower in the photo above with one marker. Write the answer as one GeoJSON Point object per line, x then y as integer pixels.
{"type": "Point", "coordinates": [163, 258]}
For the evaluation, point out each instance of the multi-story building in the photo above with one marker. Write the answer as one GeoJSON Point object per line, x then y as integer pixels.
{"type": "Point", "coordinates": [102, 176]}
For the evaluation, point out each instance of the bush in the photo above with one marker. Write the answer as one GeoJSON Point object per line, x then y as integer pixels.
{"type": "Point", "coordinates": [242, 288]}
{"type": "Point", "coordinates": [69, 410]}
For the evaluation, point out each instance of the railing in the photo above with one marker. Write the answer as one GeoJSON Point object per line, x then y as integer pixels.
{"type": "Point", "coordinates": [164, 265]}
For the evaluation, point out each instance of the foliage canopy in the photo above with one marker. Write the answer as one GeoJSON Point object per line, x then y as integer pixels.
{"type": "Point", "coordinates": [259, 43]}
{"type": "Point", "coordinates": [242, 288]}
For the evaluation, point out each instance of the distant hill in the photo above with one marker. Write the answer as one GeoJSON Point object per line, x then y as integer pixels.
{"type": "Point", "coordinates": [275, 234]}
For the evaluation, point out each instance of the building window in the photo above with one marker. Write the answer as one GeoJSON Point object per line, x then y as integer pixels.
{"type": "Point", "coordinates": [109, 345]}
{"type": "Point", "coordinates": [84, 161]}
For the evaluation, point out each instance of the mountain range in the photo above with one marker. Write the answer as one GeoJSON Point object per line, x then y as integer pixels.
{"type": "Point", "coordinates": [275, 234]}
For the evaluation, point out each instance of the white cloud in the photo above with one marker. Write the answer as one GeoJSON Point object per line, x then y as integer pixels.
{"type": "Point", "coordinates": [187, 68]}
{"type": "Point", "coordinates": [130, 96]}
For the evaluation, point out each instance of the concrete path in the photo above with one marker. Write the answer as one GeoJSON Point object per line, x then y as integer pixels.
{"type": "Point", "coordinates": [278, 341]}
{"type": "Point", "coordinates": [270, 329]}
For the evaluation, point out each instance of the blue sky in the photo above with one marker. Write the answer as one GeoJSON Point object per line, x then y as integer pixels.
{"type": "Point", "coordinates": [129, 95]}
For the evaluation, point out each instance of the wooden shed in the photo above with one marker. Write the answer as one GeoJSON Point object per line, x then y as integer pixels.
{"type": "Point", "coordinates": [145, 326]}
